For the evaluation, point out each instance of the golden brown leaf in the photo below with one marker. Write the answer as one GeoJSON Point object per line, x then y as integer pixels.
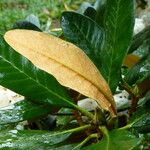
{"type": "Point", "coordinates": [66, 62]}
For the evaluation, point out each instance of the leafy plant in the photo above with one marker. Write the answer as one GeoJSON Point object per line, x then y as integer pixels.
{"type": "Point", "coordinates": [54, 74]}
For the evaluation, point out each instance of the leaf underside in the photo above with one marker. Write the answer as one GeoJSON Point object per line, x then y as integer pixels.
{"type": "Point", "coordinates": [59, 58]}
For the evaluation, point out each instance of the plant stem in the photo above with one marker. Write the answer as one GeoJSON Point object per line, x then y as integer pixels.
{"type": "Point", "coordinates": [128, 88]}
{"type": "Point", "coordinates": [134, 92]}
{"type": "Point", "coordinates": [84, 112]}
{"type": "Point", "coordinates": [63, 114]}
{"type": "Point", "coordinates": [85, 141]}
{"type": "Point", "coordinates": [76, 112]}
{"type": "Point", "coordinates": [125, 127]}
{"type": "Point", "coordinates": [104, 130]}
{"type": "Point", "coordinates": [76, 129]}
{"type": "Point", "coordinates": [133, 104]}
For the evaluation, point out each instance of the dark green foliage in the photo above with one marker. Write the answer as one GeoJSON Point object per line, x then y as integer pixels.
{"type": "Point", "coordinates": [135, 73]}
{"type": "Point", "coordinates": [31, 140]}
{"type": "Point", "coordinates": [23, 110]}
{"type": "Point", "coordinates": [89, 38]}
{"type": "Point", "coordinates": [106, 46]}
{"type": "Point", "coordinates": [104, 32]}
{"type": "Point", "coordinates": [117, 139]}
{"type": "Point", "coordinates": [140, 121]}
{"type": "Point", "coordinates": [25, 25]}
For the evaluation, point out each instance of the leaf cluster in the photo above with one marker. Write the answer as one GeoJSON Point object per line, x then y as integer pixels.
{"type": "Point", "coordinates": [98, 56]}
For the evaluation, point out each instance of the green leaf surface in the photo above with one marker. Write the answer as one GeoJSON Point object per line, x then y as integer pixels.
{"type": "Point", "coordinates": [23, 110]}
{"type": "Point", "coordinates": [65, 116]}
{"type": "Point", "coordinates": [34, 20]}
{"type": "Point", "coordinates": [100, 6]}
{"type": "Point", "coordinates": [139, 70]}
{"type": "Point", "coordinates": [85, 33]}
{"type": "Point", "coordinates": [144, 100]}
{"type": "Point", "coordinates": [31, 140]}
{"type": "Point", "coordinates": [21, 76]}
{"type": "Point", "coordinates": [118, 24]}
{"type": "Point", "coordinates": [116, 140]}
{"type": "Point", "coordinates": [25, 25]}
{"type": "Point", "coordinates": [140, 39]}
{"type": "Point", "coordinates": [90, 12]}
{"type": "Point", "coordinates": [140, 120]}
{"type": "Point", "coordinates": [106, 47]}
{"type": "Point", "coordinates": [83, 7]}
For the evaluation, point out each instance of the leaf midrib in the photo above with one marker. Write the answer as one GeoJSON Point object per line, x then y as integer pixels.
{"type": "Point", "coordinates": [138, 119]}
{"type": "Point", "coordinates": [83, 35]}
{"type": "Point", "coordinates": [114, 41]}
{"type": "Point", "coordinates": [43, 55]}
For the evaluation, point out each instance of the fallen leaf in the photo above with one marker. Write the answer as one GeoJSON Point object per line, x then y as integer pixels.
{"type": "Point", "coordinates": [66, 62]}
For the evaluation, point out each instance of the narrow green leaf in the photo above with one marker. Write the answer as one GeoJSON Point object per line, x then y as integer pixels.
{"type": "Point", "coordinates": [21, 76]}
{"type": "Point", "coordinates": [116, 140]}
{"type": "Point", "coordinates": [23, 110]}
{"type": "Point", "coordinates": [139, 39]}
{"type": "Point", "coordinates": [139, 70]}
{"type": "Point", "coordinates": [31, 139]}
{"type": "Point", "coordinates": [140, 120]}
{"type": "Point", "coordinates": [85, 33]}
{"type": "Point", "coordinates": [118, 24]}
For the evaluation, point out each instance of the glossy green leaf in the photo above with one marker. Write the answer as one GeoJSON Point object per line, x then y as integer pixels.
{"type": "Point", "coordinates": [143, 101]}
{"type": "Point", "coordinates": [118, 24]}
{"type": "Point", "coordinates": [21, 76]}
{"type": "Point", "coordinates": [65, 116]}
{"type": "Point", "coordinates": [90, 12]}
{"type": "Point", "coordinates": [116, 140]}
{"type": "Point", "coordinates": [106, 49]}
{"type": "Point", "coordinates": [31, 23]}
{"type": "Point", "coordinates": [34, 20]}
{"type": "Point", "coordinates": [139, 70]}
{"type": "Point", "coordinates": [140, 120]}
{"type": "Point", "coordinates": [83, 7]}
{"type": "Point", "coordinates": [85, 33]}
{"type": "Point", "coordinates": [23, 110]}
{"type": "Point", "coordinates": [65, 147]}
{"type": "Point", "coordinates": [25, 25]}
{"type": "Point", "coordinates": [140, 39]}
{"type": "Point", "coordinates": [31, 140]}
